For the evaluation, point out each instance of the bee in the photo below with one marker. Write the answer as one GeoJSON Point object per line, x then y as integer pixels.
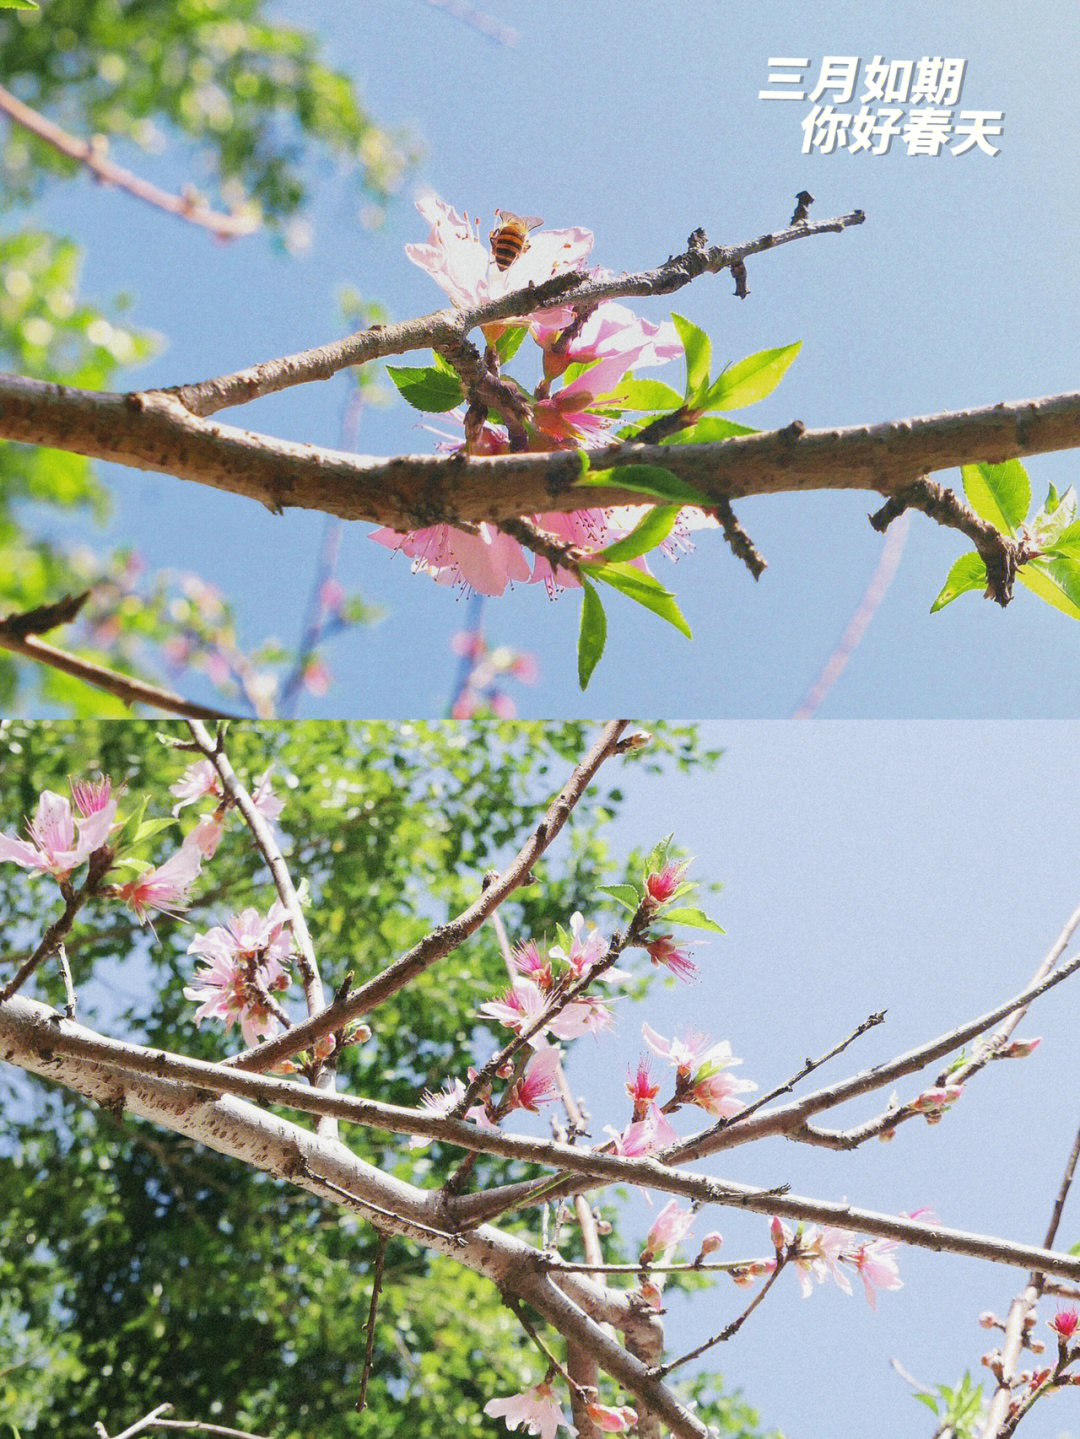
{"type": "Point", "coordinates": [510, 240]}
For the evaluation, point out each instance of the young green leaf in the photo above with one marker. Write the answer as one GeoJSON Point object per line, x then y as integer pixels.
{"type": "Point", "coordinates": [692, 918]}
{"type": "Point", "coordinates": [652, 480]}
{"type": "Point", "coordinates": [592, 636]}
{"type": "Point", "coordinates": [1055, 581]}
{"type": "Point", "coordinates": [1000, 494]}
{"type": "Point", "coordinates": [698, 348]}
{"type": "Point", "coordinates": [643, 589]}
{"type": "Point", "coordinates": [624, 894]}
{"type": "Point", "coordinates": [649, 532]}
{"type": "Point", "coordinates": [647, 395]}
{"type": "Point", "coordinates": [429, 389]}
{"type": "Point", "coordinates": [707, 431]}
{"type": "Point", "coordinates": [509, 342]}
{"type": "Point", "coordinates": [967, 573]}
{"type": "Point", "coordinates": [18, 5]}
{"type": "Point", "coordinates": [750, 380]}
{"type": "Point", "coordinates": [1066, 543]}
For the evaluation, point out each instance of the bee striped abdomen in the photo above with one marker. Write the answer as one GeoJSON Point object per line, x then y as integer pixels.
{"type": "Point", "coordinates": [510, 240]}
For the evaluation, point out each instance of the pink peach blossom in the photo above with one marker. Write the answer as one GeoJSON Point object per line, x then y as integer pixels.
{"type": "Point", "coordinates": [166, 888]}
{"type": "Point", "coordinates": [59, 842]}
{"type": "Point", "coordinates": [537, 1410]}
{"type": "Point", "coordinates": [670, 1227]}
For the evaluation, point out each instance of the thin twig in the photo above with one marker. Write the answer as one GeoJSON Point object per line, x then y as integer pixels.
{"type": "Point", "coordinates": [124, 687]}
{"type": "Point", "coordinates": [369, 1347]}
{"type": "Point", "coordinates": [57, 932]}
{"type": "Point", "coordinates": [729, 1330]}
{"type": "Point", "coordinates": [871, 1022]}
{"type": "Point", "coordinates": [70, 1001]}
{"type": "Point", "coordinates": [446, 328]}
{"type": "Point", "coordinates": [91, 154]}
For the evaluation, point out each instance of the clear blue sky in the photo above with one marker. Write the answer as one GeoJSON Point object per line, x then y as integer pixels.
{"type": "Point", "coordinates": [642, 121]}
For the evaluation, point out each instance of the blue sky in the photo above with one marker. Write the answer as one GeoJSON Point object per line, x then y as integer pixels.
{"type": "Point", "coordinates": [641, 122]}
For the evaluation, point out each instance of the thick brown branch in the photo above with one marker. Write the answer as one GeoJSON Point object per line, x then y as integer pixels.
{"type": "Point", "coordinates": [155, 432]}
{"type": "Point", "coordinates": [445, 329]}
{"type": "Point", "coordinates": [92, 155]}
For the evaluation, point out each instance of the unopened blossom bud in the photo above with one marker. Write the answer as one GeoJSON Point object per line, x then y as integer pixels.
{"type": "Point", "coordinates": [660, 886]}
{"type": "Point", "coordinates": [992, 1361]}
{"type": "Point", "coordinates": [1036, 1346]}
{"type": "Point", "coordinates": [887, 1134]}
{"type": "Point", "coordinates": [603, 1226]}
{"type": "Point", "coordinates": [938, 1098]}
{"type": "Point", "coordinates": [989, 1320]}
{"type": "Point", "coordinates": [640, 739]}
{"type": "Point", "coordinates": [711, 1243]}
{"type": "Point", "coordinates": [1064, 1323]}
{"type": "Point", "coordinates": [776, 1233]}
{"type": "Point", "coordinates": [651, 1294]}
{"type": "Point", "coordinates": [1020, 1048]}
{"type": "Point", "coordinates": [612, 1420]}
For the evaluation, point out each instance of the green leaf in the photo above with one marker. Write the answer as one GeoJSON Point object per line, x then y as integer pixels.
{"type": "Point", "coordinates": [928, 1399]}
{"type": "Point", "coordinates": [624, 894]}
{"type": "Point", "coordinates": [708, 431]}
{"type": "Point", "coordinates": [149, 827]}
{"type": "Point", "coordinates": [1052, 500]}
{"type": "Point", "coordinates": [692, 918]}
{"type": "Point", "coordinates": [592, 636]}
{"type": "Point", "coordinates": [698, 348]}
{"type": "Point", "coordinates": [1066, 544]}
{"type": "Point", "coordinates": [649, 532]}
{"type": "Point", "coordinates": [750, 380]}
{"type": "Point", "coordinates": [648, 395]}
{"type": "Point", "coordinates": [652, 480]}
{"type": "Point", "coordinates": [644, 589]}
{"type": "Point", "coordinates": [429, 389]}
{"type": "Point", "coordinates": [509, 342]}
{"type": "Point", "coordinates": [967, 573]}
{"type": "Point", "coordinates": [18, 5]}
{"type": "Point", "coordinates": [1000, 494]}
{"type": "Point", "coordinates": [1057, 582]}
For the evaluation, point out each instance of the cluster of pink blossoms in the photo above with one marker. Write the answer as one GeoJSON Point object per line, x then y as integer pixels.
{"type": "Point", "coordinates": [246, 964]}
{"type": "Point", "coordinates": [611, 341]}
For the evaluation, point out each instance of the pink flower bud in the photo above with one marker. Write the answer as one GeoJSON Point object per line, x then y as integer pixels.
{"type": "Point", "coordinates": [776, 1233]}
{"type": "Point", "coordinates": [989, 1320]}
{"type": "Point", "coordinates": [660, 886]}
{"type": "Point", "coordinates": [1020, 1048]}
{"type": "Point", "coordinates": [711, 1243]}
{"type": "Point", "coordinates": [1064, 1323]}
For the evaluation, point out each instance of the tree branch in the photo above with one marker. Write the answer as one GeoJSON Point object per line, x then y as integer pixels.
{"type": "Point", "coordinates": [155, 432]}
{"type": "Point", "coordinates": [92, 155]}
{"type": "Point", "coordinates": [185, 1093]}
{"type": "Point", "coordinates": [124, 687]}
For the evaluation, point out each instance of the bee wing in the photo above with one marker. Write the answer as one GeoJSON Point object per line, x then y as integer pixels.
{"type": "Point", "coordinates": [531, 222]}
